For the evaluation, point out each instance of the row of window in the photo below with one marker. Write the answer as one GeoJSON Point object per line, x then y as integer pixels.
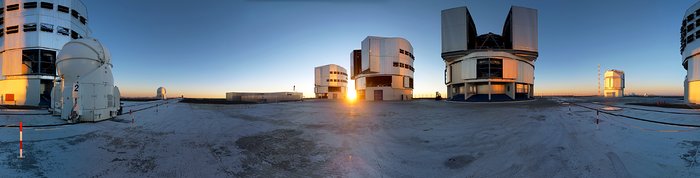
{"type": "Point", "coordinates": [691, 17]}
{"type": "Point", "coordinates": [339, 73]}
{"type": "Point", "coordinates": [336, 80]}
{"type": "Point", "coordinates": [405, 66]}
{"type": "Point", "coordinates": [31, 27]}
{"type": "Point", "coordinates": [409, 54]}
{"type": "Point", "coordinates": [46, 5]}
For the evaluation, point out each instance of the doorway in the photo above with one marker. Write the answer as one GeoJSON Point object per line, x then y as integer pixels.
{"type": "Point", "coordinates": [378, 95]}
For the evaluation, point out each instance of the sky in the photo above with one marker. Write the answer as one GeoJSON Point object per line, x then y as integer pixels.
{"type": "Point", "coordinates": [206, 48]}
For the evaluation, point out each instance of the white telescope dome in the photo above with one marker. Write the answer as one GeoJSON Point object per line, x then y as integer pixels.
{"type": "Point", "coordinates": [81, 56]}
{"type": "Point", "coordinates": [161, 93]}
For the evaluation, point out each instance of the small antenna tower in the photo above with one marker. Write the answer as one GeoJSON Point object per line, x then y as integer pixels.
{"type": "Point", "coordinates": [599, 80]}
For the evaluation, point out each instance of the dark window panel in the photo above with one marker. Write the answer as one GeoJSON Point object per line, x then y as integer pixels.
{"type": "Point", "coordinates": [83, 20]}
{"type": "Point", "coordinates": [63, 31]}
{"type": "Point", "coordinates": [47, 5]}
{"type": "Point", "coordinates": [46, 27]}
{"type": "Point", "coordinates": [379, 81]}
{"type": "Point", "coordinates": [12, 7]}
{"type": "Point", "coordinates": [30, 5]}
{"type": "Point", "coordinates": [12, 29]}
{"type": "Point", "coordinates": [74, 34]}
{"type": "Point", "coordinates": [63, 9]}
{"type": "Point", "coordinates": [30, 27]}
{"type": "Point", "coordinates": [75, 14]}
{"type": "Point", "coordinates": [2, 10]}
{"type": "Point", "coordinates": [2, 32]}
{"type": "Point", "coordinates": [48, 62]}
{"type": "Point", "coordinates": [30, 61]}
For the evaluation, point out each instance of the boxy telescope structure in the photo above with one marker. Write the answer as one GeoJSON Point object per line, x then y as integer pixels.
{"type": "Point", "coordinates": [489, 67]}
{"type": "Point", "coordinates": [690, 49]}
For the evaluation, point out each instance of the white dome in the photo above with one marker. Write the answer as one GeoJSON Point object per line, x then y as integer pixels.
{"type": "Point", "coordinates": [161, 90]}
{"type": "Point", "coordinates": [78, 57]}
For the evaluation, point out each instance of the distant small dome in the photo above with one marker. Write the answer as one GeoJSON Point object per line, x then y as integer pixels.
{"type": "Point", "coordinates": [161, 92]}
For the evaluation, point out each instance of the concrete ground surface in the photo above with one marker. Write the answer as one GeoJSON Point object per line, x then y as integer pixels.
{"type": "Point", "coordinates": [547, 137]}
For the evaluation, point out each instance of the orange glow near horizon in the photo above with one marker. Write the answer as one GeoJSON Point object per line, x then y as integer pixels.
{"type": "Point", "coordinates": [351, 96]}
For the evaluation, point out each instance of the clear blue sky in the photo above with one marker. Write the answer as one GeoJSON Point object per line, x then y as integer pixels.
{"type": "Point", "coordinates": [205, 48]}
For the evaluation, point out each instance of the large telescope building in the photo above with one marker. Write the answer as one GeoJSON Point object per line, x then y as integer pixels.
{"type": "Point", "coordinates": [614, 83]}
{"type": "Point", "coordinates": [330, 82]}
{"type": "Point", "coordinates": [31, 35]}
{"type": "Point", "coordinates": [383, 69]}
{"type": "Point", "coordinates": [489, 67]}
{"type": "Point", "coordinates": [690, 48]}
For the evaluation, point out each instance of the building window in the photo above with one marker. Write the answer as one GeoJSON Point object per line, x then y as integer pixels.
{"type": "Point", "coordinates": [12, 29]}
{"type": "Point", "coordinates": [489, 68]}
{"type": "Point", "coordinates": [47, 5]}
{"type": "Point", "coordinates": [30, 5]}
{"type": "Point", "coordinates": [63, 31]}
{"type": "Point", "coordinates": [401, 51]}
{"type": "Point", "coordinates": [2, 32]}
{"type": "Point", "coordinates": [83, 20]}
{"type": "Point", "coordinates": [30, 27]}
{"type": "Point", "coordinates": [396, 64]}
{"type": "Point", "coordinates": [333, 89]}
{"type": "Point", "coordinates": [48, 62]}
{"type": "Point", "coordinates": [46, 27]}
{"type": "Point", "coordinates": [74, 34]}
{"type": "Point", "coordinates": [2, 10]}
{"type": "Point", "coordinates": [690, 38]}
{"type": "Point", "coordinates": [2, 20]}
{"type": "Point", "coordinates": [38, 61]}
{"type": "Point", "coordinates": [379, 81]}
{"type": "Point", "coordinates": [63, 9]}
{"type": "Point", "coordinates": [13, 7]}
{"type": "Point", "coordinates": [75, 13]}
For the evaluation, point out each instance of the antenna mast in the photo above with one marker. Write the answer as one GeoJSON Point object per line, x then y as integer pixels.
{"type": "Point", "coordinates": [599, 80]}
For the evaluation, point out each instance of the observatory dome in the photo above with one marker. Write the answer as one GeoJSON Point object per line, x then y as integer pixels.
{"type": "Point", "coordinates": [77, 55]}
{"type": "Point", "coordinates": [161, 93]}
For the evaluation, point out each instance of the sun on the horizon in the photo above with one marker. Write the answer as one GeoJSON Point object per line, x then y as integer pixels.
{"type": "Point", "coordinates": [351, 96]}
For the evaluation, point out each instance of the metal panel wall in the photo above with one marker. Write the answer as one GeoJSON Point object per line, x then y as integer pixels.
{"type": "Point", "coordinates": [510, 68]}
{"type": "Point", "coordinates": [456, 72]}
{"type": "Point", "coordinates": [469, 69]}
{"type": "Point", "coordinates": [694, 69]}
{"type": "Point", "coordinates": [524, 28]}
{"type": "Point", "coordinates": [455, 29]}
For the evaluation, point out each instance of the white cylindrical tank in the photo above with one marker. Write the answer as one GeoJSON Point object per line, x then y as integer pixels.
{"type": "Point", "coordinates": [87, 87]}
{"type": "Point", "coordinates": [160, 93]}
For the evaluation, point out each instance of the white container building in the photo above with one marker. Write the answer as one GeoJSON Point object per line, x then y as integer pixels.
{"type": "Point", "coordinates": [31, 34]}
{"type": "Point", "coordinates": [383, 69]}
{"type": "Point", "coordinates": [330, 82]}
{"type": "Point", "coordinates": [690, 50]}
{"type": "Point", "coordinates": [614, 83]}
{"type": "Point", "coordinates": [489, 67]}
